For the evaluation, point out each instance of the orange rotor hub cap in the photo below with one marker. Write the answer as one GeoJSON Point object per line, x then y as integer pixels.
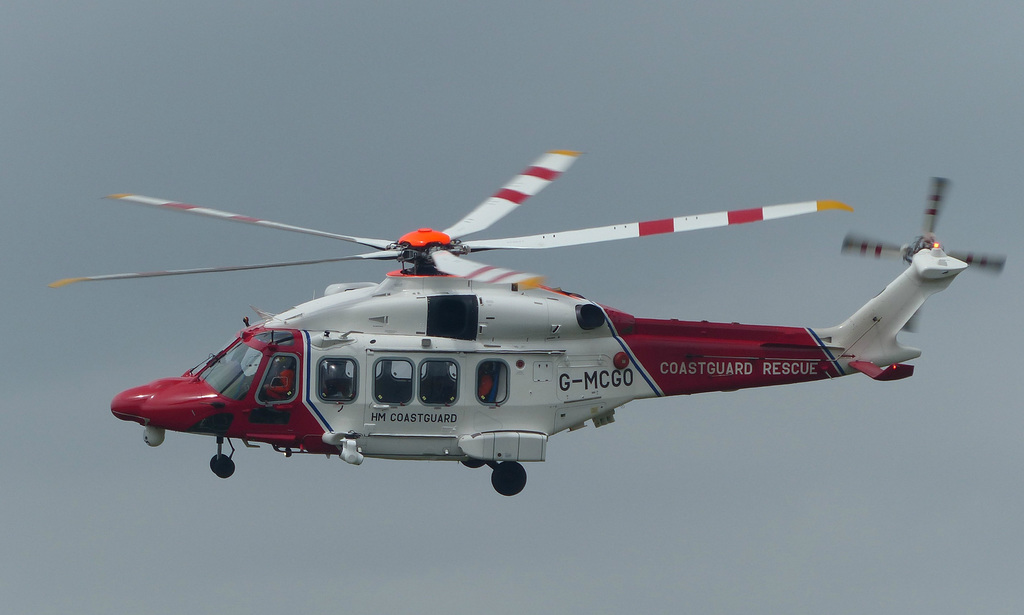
{"type": "Point", "coordinates": [424, 237]}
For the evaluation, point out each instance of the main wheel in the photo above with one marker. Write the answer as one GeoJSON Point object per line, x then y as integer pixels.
{"type": "Point", "coordinates": [222, 465]}
{"type": "Point", "coordinates": [474, 463]}
{"type": "Point", "coordinates": [508, 478]}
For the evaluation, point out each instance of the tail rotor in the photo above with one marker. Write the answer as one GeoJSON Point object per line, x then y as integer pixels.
{"type": "Point", "coordinates": [864, 246]}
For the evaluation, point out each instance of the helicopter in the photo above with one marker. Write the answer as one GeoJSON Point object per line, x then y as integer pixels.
{"type": "Point", "coordinates": [450, 359]}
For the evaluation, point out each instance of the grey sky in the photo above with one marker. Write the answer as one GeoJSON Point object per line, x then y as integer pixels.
{"type": "Point", "coordinates": [376, 118]}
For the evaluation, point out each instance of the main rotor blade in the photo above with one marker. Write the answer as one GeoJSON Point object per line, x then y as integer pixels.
{"type": "Point", "coordinates": [992, 263]}
{"type": "Point", "coordinates": [384, 255]}
{"type": "Point", "coordinates": [655, 227]}
{"type": "Point", "coordinates": [854, 244]}
{"type": "Point", "coordinates": [380, 244]}
{"type": "Point", "coordinates": [535, 178]}
{"type": "Point", "coordinates": [934, 205]}
{"type": "Point", "coordinates": [464, 268]}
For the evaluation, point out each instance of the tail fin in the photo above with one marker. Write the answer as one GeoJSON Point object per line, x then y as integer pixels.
{"type": "Point", "coordinates": [870, 334]}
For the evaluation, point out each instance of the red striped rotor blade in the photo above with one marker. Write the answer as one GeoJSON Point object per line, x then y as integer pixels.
{"type": "Point", "coordinates": [862, 246]}
{"type": "Point", "coordinates": [656, 227]}
{"type": "Point", "coordinates": [380, 244]}
{"type": "Point", "coordinates": [383, 255]}
{"type": "Point", "coordinates": [993, 263]}
{"type": "Point", "coordinates": [462, 267]}
{"type": "Point", "coordinates": [934, 205]}
{"type": "Point", "coordinates": [532, 180]}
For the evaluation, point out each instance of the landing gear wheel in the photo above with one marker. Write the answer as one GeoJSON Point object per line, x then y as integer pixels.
{"type": "Point", "coordinates": [508, 478]}
{"type": "Point", "coordinates": [222, 465]}
{"type": "Point", "coordinates": [474, 463]}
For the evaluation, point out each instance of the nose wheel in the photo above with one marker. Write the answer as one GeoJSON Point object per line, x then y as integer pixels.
{"type": "Point", "coordinates": [221, 464]}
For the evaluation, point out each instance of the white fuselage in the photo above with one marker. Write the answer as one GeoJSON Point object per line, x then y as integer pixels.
{"type": "Point", "coordinates": [555, 374]}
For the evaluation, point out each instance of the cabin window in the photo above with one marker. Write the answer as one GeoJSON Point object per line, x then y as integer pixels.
{"type": "Point", "coordinates": [392, 381]}
{"type": "Point", "coordinates": [233, 373]}
{"type": "Point", "coordinates": [337, 380]}
{"type": "Point", "coordinates": [279, 383]}
{"type": "Point", "coordinates": [492, 383]}
{"type": "Point", "coordinates": [439, 382]}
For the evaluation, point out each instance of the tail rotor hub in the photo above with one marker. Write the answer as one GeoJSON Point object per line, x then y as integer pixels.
{"type": "Point", "coordinates": [921, 242]}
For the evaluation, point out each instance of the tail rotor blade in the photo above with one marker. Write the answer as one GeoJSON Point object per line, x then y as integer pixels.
{"type": "Point", "coordinates": [934, 205]}
{"type": "Point", "coordinates": [854, 244]}
{"type": "Point", "coordinates": [992, 263]}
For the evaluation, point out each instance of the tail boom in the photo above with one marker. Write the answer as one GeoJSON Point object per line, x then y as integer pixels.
{"type": "Point", "coordinates": [869, 336]}
{"type": "Point", "coordinates": [686, 357]}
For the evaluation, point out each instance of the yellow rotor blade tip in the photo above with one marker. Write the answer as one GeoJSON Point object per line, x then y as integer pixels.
{"type": "Point", "coordinates": [823, 205]}
{"type": "Point", "coordinates": [533, 282]}
{"type": "Point", "coordinates": [65, 282]}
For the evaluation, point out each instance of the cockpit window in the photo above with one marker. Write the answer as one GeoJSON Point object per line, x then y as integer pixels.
{"type": "Point", "coordinates": [233, 373]}
{"type": "Point", "coordinates": [275, 336]}
{"type": "Point", "coordinates": [279, 382]}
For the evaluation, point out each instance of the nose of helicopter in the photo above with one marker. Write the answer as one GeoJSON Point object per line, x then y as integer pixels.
{"type": "Point", "coordinates": [174, 403]}
{"type": "Point", "coordinates": [127, 405]}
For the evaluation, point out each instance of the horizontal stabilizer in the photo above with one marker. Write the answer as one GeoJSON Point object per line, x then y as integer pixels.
{"type": "Point", "coordinates": [896, 371]}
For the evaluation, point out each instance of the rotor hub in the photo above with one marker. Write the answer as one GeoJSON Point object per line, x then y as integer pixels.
{"type": "Point", "coordinates": [421, 238]}
{"type": "Point", "coordinates": [926, 241]}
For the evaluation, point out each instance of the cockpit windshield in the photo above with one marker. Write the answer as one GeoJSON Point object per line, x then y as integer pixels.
{"type": "Point", "coordinates": [275, 336]}
{"type": "Point", "coordinates": [233, 373]}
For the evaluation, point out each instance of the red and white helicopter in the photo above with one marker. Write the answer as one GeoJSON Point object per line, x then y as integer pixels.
{"type": "Point", "coordinates": [450, 359]}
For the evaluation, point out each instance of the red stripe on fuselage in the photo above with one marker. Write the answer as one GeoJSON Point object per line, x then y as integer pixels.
{"type": "Point", "coordinates": [741, 216]}
{"type": "Point", "coordinates": [695, 357]}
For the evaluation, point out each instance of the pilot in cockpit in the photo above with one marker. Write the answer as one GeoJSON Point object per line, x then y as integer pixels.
{"type": "Point", "coordinates": [279, 384]}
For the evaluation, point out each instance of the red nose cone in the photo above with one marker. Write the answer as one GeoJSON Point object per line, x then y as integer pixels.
{"type": "Point", "coordinates": [128, 405]}
{"type": "Point", "coordinates": [174, 403]}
